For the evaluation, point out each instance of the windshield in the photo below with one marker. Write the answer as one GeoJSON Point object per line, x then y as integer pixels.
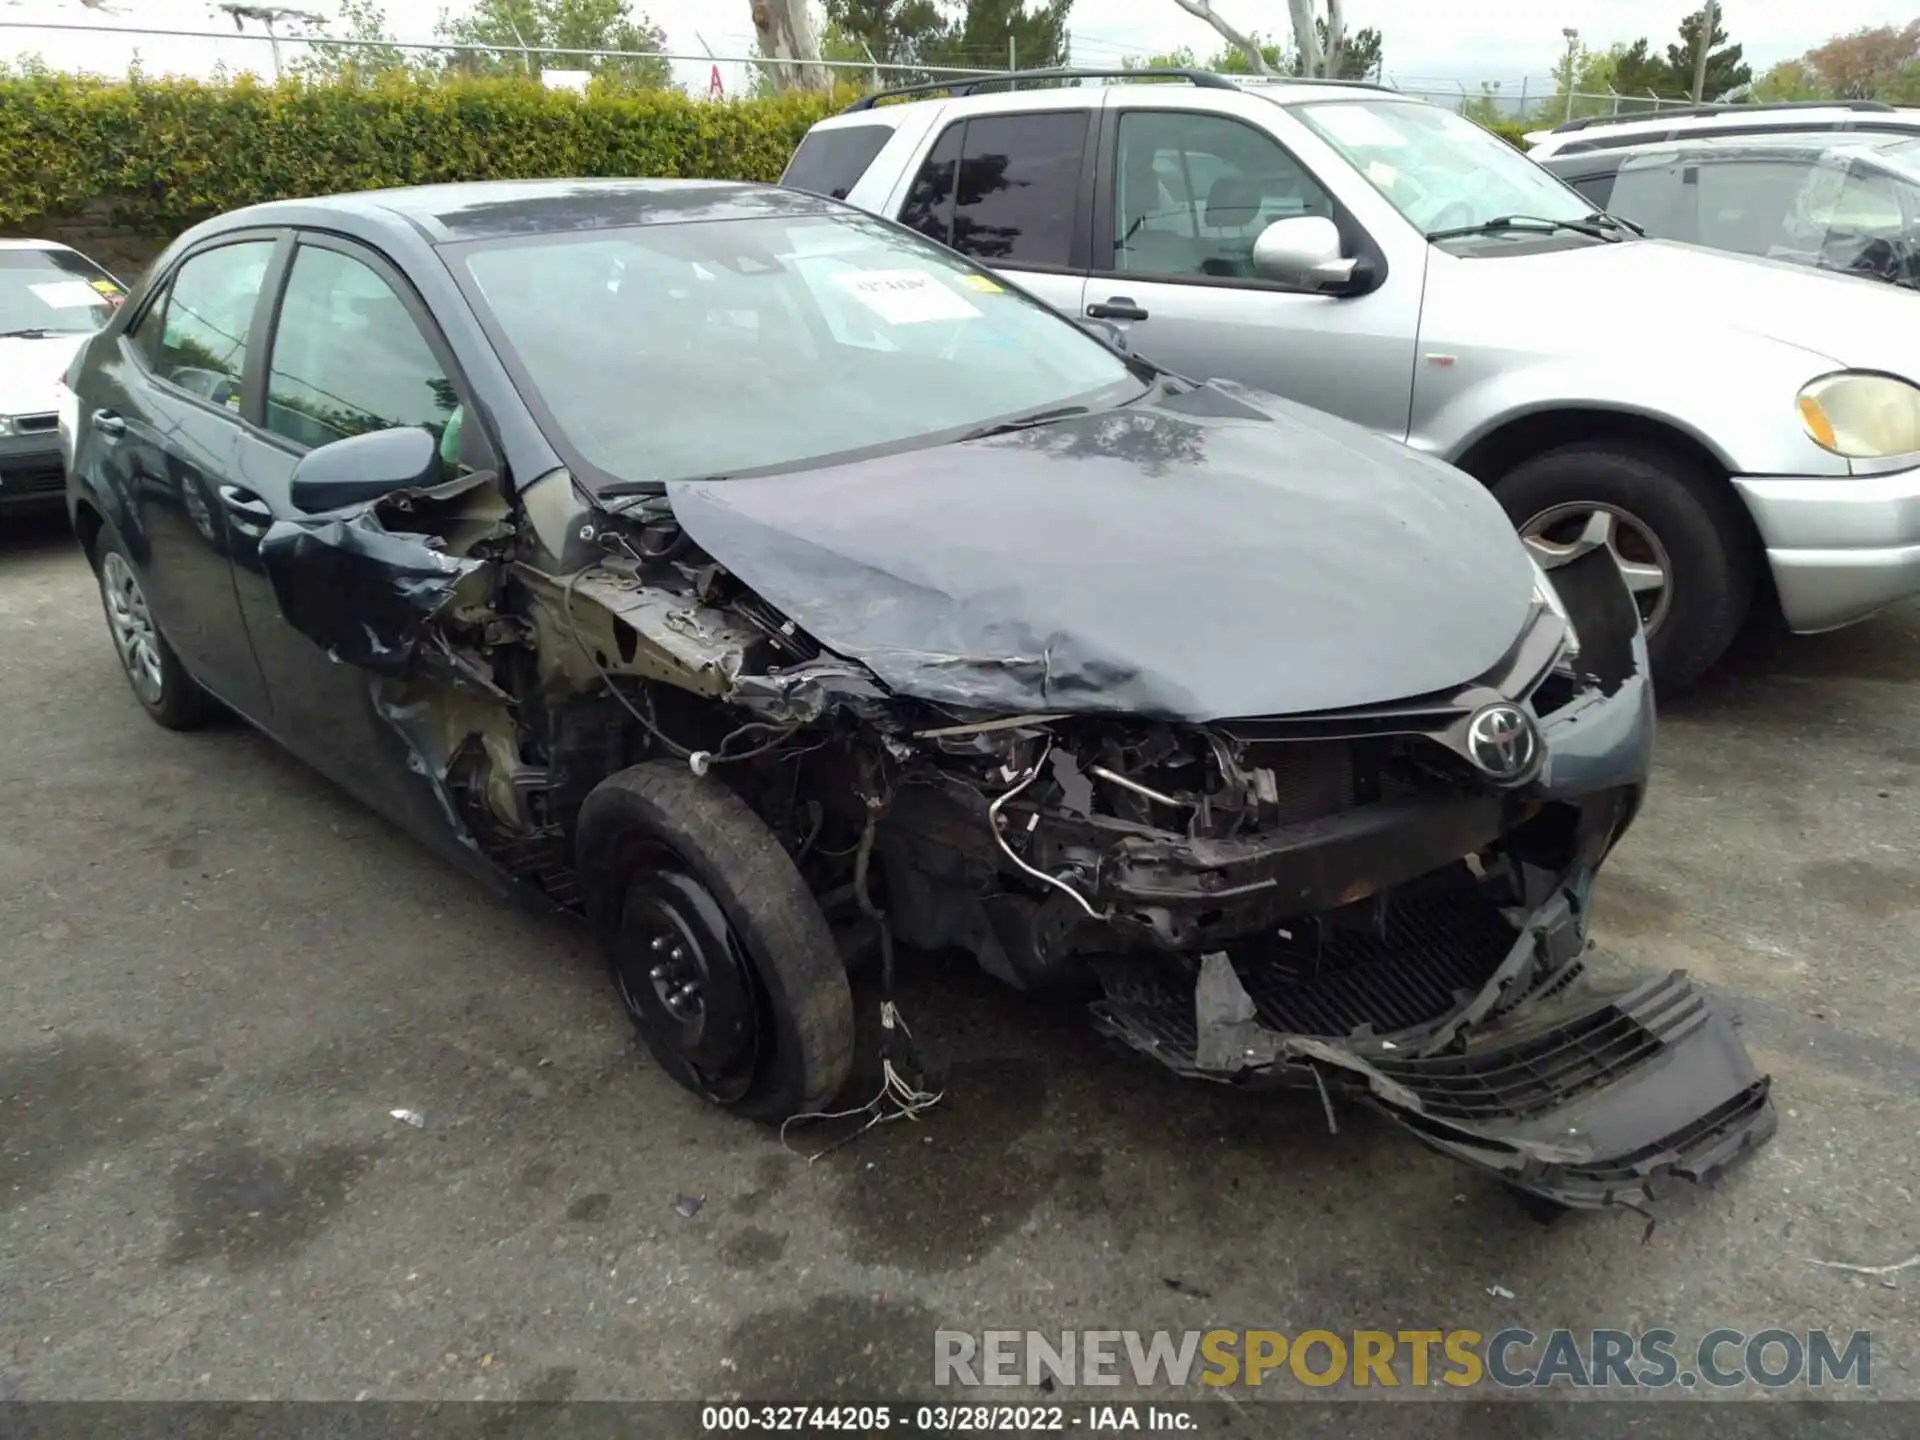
{"type": "Point", "coordinates": [54, 292]}
{"type": "Point", "coordinates": [1440, 170]}
{"type": "Point", "coordinates": [715, 348]}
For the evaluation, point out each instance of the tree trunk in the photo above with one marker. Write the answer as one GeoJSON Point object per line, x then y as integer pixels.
{"type": "Point", "coordinates": [786, 36]}
{"type": "Point", "coordinates": [1202, 10]}
{"type": "Point", "coordinates": [1306, 37]}
{"type": "Point", "coordinates": [1330, 63]}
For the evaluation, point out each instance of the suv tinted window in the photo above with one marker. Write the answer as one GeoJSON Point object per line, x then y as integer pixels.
{"type": "Point", "coordinates": [831, 162]}
{"type": "Point", "coordinates": [1012, 196]}
{"type": "Point", "coordinates": [1194, 190]}
{"type": "Point", "coordinates": [209, 309]}
{"type": "Point", "coordinates": [347, 357]}
{"type": "Point", "coordinates": [929, 203]}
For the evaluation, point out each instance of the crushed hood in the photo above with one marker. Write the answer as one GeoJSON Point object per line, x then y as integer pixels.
{"type": "Point", "coordinates": [1221, 553]}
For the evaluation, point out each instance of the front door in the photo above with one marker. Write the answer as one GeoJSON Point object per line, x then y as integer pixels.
{"type": "Point", "coordinates": [166, 438]}
{"type": "Point", "coordinates": [1181, 196]}
{"type": "Point", "coordinates": [347, 355]}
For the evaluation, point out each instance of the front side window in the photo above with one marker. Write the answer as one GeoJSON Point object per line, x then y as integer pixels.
{"type": "Point", "coordinates": [1438, 169]}
{"type": "Point", "coordinates": [1002, 188]}
{"type": "Point", "coordinates": [348, 358]}
{"type": "Point", "coordinates": [1194, 191]}
{"type": "Point", "coordinates": [53, 292]}
{"type": "Point", "coordinates": [756, 345]}
{"type": "Point", "coordinates": [208, 312]}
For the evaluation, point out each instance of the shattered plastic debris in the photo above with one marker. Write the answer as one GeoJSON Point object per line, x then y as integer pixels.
{"type": "Point", "coordinates": [410, 1117]}
{"type": "Point", "coordinates": [689, 1205]}
{"type": "Point", "coordinates": [1500, 1292]}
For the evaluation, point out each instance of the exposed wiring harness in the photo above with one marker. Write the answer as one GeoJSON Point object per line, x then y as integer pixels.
{"type": "Point", "coordinates": [899, 1096]}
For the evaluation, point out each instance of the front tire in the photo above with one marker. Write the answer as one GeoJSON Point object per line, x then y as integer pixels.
{"type": "Point", "coordinates": [160, 683]}
{"type": "Point", "coordinates": [1677, 533]}
{"type": "Point", "coordinates": [719, 951]}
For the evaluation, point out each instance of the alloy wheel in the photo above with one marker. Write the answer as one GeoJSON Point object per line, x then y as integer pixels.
{"type": "Point", "coordinates": [131, 625]}
{"type": "Point", "coordinates": [1562, 532]}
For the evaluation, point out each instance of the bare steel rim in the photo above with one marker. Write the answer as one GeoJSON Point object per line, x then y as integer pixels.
{"type": "Point", "coordinates": [1560, 532]}
{"type": "Point", "coordinates": [131, 625]}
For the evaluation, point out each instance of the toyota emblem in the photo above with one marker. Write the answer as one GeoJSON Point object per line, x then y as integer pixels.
{"type": "Point", "coordinates": [1503, 741]}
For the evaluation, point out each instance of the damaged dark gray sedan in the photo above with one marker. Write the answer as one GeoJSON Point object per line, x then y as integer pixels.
{"type": "Point", "coordinates": [772, 587]}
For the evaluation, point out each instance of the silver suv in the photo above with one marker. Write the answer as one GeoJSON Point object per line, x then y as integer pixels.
{"type": "Point", "coordinates": [1717, 420]}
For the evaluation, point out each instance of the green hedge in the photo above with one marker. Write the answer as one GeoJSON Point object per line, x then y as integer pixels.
{"type": "Point", "coordinates": [1511, 131]}
{"type": "Point", "coordinates": [153, 157]}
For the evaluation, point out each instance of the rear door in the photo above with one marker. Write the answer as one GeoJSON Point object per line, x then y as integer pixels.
{"type": "Point", "coordinates": [349, 349]}
{"type": "Point", "coordinates": [1010, 189]}
{"type": "Point", "coordinates": [165, 442]}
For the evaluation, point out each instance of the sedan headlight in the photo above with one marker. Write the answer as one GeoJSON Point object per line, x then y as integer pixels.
{"type": "Point", "coordinates": [1545, 594]}
{"type": "Point", "coordinates": [1864, 417]}
{"type": "Point", "coordinates": [6, 424]}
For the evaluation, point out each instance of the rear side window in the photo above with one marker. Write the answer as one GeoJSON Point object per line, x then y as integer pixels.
{"type": "Point", "coordinates": [145, 337]}
{"type": "Point", "coordinates": [1005, 186]}
{"type": "Point", "coordinates": [1597, 188]}
{"type": "Point", "coordinates": [209, 309]}
{"type": "Point", "coordinates": [831, 162]}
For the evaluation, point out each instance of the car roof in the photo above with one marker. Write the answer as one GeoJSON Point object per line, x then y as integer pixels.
{"type": "Point", "coordinates": [1607, 132]}
{"type": "Point", "coordinates": [1061, 86]}
{"type": "Point", "coordinates": [1807, 144]}
{"type": "Point", "coordinates": [25, 244]}
{"type": "Point", "coordinates": [491, 209]}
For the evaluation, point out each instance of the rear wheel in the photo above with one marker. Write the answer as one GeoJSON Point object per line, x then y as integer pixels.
{"type": "Point", "coordinates": [160, 682]}
{"type": "Point", "coordinates": [717, 948]}
{"type": "Point", "coordinates": [1677, 534]}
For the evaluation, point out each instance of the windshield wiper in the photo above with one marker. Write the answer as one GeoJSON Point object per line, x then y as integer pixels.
{"type": "Point", "coordinates": [32, 332]}
{"type": "Point", "coordinates": [1537, 224]}
{"type": "Point", "coordinates": [1602, 217]}
{"type": "Point", "coordinates": [1024, 422]}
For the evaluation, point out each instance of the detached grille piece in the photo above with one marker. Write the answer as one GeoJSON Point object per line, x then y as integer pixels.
{"type": "Point", "coordinates": [1531, 1077]}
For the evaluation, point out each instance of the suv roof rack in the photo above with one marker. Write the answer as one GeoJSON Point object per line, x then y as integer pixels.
{"type": "Point", "coordinates": [969, 85]}
{"type": "Point", "coordinates": [1587, 122]}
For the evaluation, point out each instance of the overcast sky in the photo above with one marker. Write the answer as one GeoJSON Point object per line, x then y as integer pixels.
{"type": "Point", "coordinates": [1427, 42]}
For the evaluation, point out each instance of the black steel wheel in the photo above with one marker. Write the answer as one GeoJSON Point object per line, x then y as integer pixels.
{"type": "Point", "coordinates": [718, 950]}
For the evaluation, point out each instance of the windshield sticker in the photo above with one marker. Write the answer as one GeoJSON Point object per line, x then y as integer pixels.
{"type": "Point", "coordinates": [1354, 125]}
{"type": "Point", "coordinates": [906, 297]}
{"type": "Point", "coordinates": [66, 294]}
{"type": "Point", "coordinates": [984, 285]}
{"type": "Point", "coordinates": [1382, 174]}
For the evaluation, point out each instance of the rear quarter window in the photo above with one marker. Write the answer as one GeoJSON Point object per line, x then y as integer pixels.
{"type": "Point", "coordinates": [1597, 188]}
{"type": "Point", "coordinates": [831, 162]}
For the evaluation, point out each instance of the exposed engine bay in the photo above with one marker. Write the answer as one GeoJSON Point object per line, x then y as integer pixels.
{"type": "Point", "coordinates": [1392, 899]}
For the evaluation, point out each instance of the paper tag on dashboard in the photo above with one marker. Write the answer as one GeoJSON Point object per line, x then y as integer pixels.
{"type": "Point", "coordinates": [907, 297]}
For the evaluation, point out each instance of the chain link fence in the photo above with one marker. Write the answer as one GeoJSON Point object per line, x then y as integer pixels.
{"type": "Point", "coordinates": [111, 50]}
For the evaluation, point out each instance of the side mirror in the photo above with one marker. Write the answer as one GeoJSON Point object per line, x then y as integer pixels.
{"type": "Point", "coordinates": [1105, 331]}
{"type": "Point", "coordinates": [1304, 252]}
{"type": "Point", "coordinates": [362, 468]}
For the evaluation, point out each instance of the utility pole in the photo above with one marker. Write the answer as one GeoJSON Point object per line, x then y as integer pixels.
{"type": "Point", "coordinates": [1709, 19]}
{"type": "Point", "coordinates": [1573, 65]}
{"type": "Point", "coordinates": [268, 16]}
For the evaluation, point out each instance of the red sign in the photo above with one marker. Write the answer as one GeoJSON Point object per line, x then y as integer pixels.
{"type": "Point", "coordinates": [715, 90]}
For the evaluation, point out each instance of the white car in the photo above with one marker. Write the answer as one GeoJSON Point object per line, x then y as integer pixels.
{"type": "Point", "coordinates": [51, 298]}
{"type": "Point", "coordinates": [1697, 122]}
